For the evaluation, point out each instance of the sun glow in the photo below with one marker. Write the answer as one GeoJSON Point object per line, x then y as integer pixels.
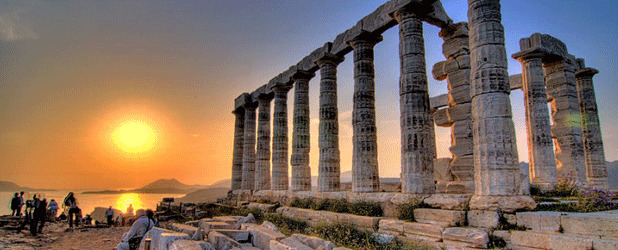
{"type": "Point", "coordinates": [134, 137]}
{"type": "Point", "coordinates": [126, 199]}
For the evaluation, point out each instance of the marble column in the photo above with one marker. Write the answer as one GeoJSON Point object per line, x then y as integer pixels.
{"type": "Point", "coordinates": [596, 170]}
{"type": "Point", "coordinates": [566, 129]}
{"type": "Point", "coordinates": [280, 138]}
{"type": "Point", "coordinates": [239, 133]}
{"type": "Point", "coordinates": [365, 176]}
{"type": "Point", "coordinates": [496, 170]}
{"type": "Point", "coordinates": [262, 162]}
{"type": "Point", "coordinates": [415, 120]}
{"type": "Point", "coordinates": [329, 168]}
{"type": "Point", "coordinates": [301, 172]}
{"type": "Point", "coordinates": [456, 71]}
{"type": "Point", "coordinates": [248, 160]}
{"type": "Point", "coordinates": [540, 143]}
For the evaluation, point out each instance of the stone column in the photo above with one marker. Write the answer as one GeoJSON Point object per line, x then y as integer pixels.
{"type": "Point", "coordinates": [566, 129]}
{"type": "Point", "coordinates": [280, 138]}
{"type": "Point", "coordinates": [596, 170]}
{"type": "Point", "coordinates": [456, 71]}
{"type": "Point", "coordinates": [239, 133]}
{"type": "Point", "coordinates": [540, 143]}
{"type": "Point", "coordinates": [416, 152]}
{"type": "Point", "coordinates": [262, 162]}
{"type": "Point", "coordinates": [248, 160]}
{"type": "Point", "coordinates": [301, 172]}
{"type": "Point", "coordinates": [365, 176]}
{"type": "Point", "coordinates": [329, 168]}
{"type": "Point", "coordinates": [496, 170]}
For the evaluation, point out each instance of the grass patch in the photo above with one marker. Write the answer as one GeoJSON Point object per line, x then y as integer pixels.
{"type": "Point", "coordinates": [364, 208]}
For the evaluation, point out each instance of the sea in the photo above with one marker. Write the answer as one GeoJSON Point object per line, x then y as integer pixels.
{"type": "Point", "coordinates": [87, 202]}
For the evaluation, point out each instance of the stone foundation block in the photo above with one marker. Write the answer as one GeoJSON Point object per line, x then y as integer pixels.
{"type": "Point", "coordinates": [313, 242]}
{"type": "Point", "coordinates": [293, 243]}
{"type": "Point", "coordinates": [483, 218]}
{"type": "Point", "coordinates": [467, 237]}
{"type": "Point", "coordinates": [569, 242]}
{"type": "Point", "coordinates": [190, 245]}
{"type": "Point", "coordinates": [507, 204]}
{"type": "Point", "coordinates": [444, 218]}
{"type": "Point", "coordinates": [539, 221]}
{"type": "Point", "coordinates": [190, 230]}
{"type": "Point", "coordinates": [605, 225]}
{"type": "Point", "coordinates": [261, 236]}
{"type": "Point", "coordinates": [605, 244]}
{"type": "Point", "coordinates": [276, 245]}
{"type": "Point", "coordinates": [207, 225]}
{"type": "Point", "coordinates": [221, 241]}
{"type": "Point", "coordinates": [448, 201]}
{"type": "Point", "coordinates": [423, 231]}
{"type": "Point", "coordinates": [529, 239]}
{"type": "Point", "coordinates": [165, 240]}
{"type": "Point", "coordinates": [392, 227]}
{"type": "Point", "coordinates": [237, 235]}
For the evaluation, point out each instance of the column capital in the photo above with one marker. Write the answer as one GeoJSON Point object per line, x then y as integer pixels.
{"type": "Point", "coordinates": [329, 58]}
{"type": "Point", "coordinates": [302, 75]}
{"type": "Point", "coordinates": [281, 87]}
{"type": "Point", "coordinates": [266, 97]}
{"type": "Point", "coordinates": [586, 72]}
{"type": "Point", "coordinates": [250, 105]}
{"type": "Point", "coordinates": [238, 111]}
{"type": "Point", "coordinates": [532, 53]}
{"type": "Point", "coordinates": [364, 37]}
{"type": "Point", "coordinates": [406, 12]}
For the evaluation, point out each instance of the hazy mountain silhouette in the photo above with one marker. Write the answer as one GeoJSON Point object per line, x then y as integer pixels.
{"type": "Point", "coordinates": [161, 186]}
{"type": "Point", "coordinates": [12, 187]}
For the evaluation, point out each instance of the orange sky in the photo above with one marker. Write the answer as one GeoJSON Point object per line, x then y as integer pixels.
{"type": "Point", "coordinates": [72, 71]}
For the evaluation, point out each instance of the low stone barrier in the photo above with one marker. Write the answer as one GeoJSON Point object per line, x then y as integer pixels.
{"type": "Point", "coordinates": [314, 217]}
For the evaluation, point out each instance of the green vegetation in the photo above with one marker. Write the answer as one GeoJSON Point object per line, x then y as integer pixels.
{"type": "Point", "coordinates": [364, 208]}
{"type": "Point", "coordinates": [582, 200]}
{"type": "Point", "coordinates": [286, 225]}
{"type": "Point", "coordinates": [406, 211]}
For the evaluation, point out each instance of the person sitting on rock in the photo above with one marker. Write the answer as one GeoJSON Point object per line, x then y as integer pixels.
{"type": "Point", "coordinates": [132, 239]}
{"type": "Point", "coordinates": [52, 209]}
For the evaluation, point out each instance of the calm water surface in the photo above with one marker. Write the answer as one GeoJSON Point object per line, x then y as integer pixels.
{"type": "Point", "coordinates": [87, 202]}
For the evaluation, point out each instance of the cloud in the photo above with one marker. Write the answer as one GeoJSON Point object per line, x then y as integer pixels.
{"type": "Point", "coordinates": [14, 28]}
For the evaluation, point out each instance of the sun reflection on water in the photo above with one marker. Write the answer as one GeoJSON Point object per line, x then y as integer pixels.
{"type": "Point", "coordinates": [126, 199]}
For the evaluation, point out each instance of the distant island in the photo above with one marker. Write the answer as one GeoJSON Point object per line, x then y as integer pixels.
{"type": "Point", "coordinates": [8, 186]}
{"type": "Point", "coordinates": [165, 186]}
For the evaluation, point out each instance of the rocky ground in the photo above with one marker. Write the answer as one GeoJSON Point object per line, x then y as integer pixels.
{"type": "Point", "coordinates": [59, 236]}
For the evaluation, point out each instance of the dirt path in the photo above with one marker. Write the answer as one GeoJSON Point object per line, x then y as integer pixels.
{"type": "Point", "coordinates": [56, 236]}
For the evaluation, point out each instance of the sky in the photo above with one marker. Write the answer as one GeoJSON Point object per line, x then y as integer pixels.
{"type": "Point", "coordinates": [72, 73]}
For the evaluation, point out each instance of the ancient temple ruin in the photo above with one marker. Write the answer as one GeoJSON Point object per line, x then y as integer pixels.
{"type": "Point", "coordinates": [564, 143]}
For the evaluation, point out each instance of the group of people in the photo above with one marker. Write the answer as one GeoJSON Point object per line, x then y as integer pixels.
{"type": "Point", "coordinates": [37, 210]}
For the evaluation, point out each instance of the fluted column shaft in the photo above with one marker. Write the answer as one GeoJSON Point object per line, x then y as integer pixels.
{"type": "Point", "coordinates": [248, 160]}
{"type": "Point", "coordinates": [365, 176]}
{"type": "Point", "coordinates": [566, 129]}
{"type": "Point", "coordinates": [280, 139]}
{"type": "Point", "coordinates": [329, 171]}
{"type": "Point", "coordinates": [301, 172]}
{"type": "Point", "coordinates": [495, 149]}
{"type": "Point", "coordinates": [262, 162]}
{"type": "Point", "coordinates": [596, 170]}
{"type": "Point", "coordinates": [239, 133]}
{"type": "Point", "coordinates": [415, 120]}
{"type": "Point", "coordinates": [540, 143]}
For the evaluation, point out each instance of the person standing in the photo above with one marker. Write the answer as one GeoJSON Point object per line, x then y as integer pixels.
{"type": "Point", "coordinates": [109, 215]}
{"type": "Point", "coordinates": [130, 210]}
{"type": "Point", "coordinates": [38, 215]}
{"type": "Point", "coordinates": [71, 203]}
{"type": "Point", "coordinates": [15, 205]}
{"type": "Point", "coordinates": [21, 203]}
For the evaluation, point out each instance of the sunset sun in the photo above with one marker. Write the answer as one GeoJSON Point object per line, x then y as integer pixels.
{"type": "Point", "coordinates": [134, 136]}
